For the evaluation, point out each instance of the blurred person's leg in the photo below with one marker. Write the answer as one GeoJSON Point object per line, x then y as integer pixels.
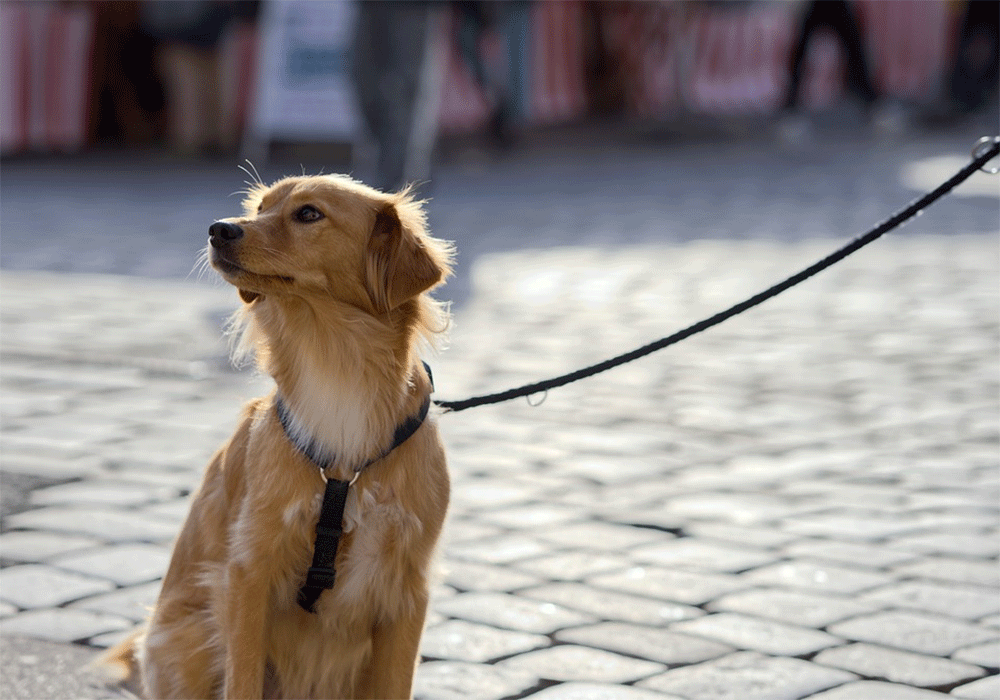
{"type": "Point", "coordinates": [837, 16]}
{"type": "Point", "coordinates": [515, 21]}
{"type": "Point", "coordinates": [187, 80]}
{"type": "Point", "coordinates": [859, 76]}
{"type": "Point", "coordinates": [974, 75]}
{"type": "Point", "coordinates": [394, 78]}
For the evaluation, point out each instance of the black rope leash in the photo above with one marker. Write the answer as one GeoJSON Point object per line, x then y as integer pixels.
{"type": "Point", "coordinates": [985, 150]}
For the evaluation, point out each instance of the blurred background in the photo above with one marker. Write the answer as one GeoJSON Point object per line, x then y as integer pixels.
{"type": "Point", "coordinates": [552, 121]}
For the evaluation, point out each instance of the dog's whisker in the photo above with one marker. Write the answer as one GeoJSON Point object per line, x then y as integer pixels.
{"type": "Point", "coordinates": [252, 173]}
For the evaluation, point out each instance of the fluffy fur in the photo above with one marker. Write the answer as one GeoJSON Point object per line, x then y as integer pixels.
{"type": "Point", "coordinates": [334, 278]}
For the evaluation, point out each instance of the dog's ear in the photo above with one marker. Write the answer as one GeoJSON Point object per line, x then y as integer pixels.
{"type": "Point", "coordinates": [248, 296]}
{"type": "Point", "coordinates": [399, 266]}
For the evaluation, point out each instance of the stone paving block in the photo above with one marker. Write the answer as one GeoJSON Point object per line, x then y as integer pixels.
{"type": "Point", "coordinates": [458, 680]}
{"type": "Point", "coordinates": [598, 691]}
{"type": "Point", "coordinates": [61, 624]}
{"type": "Point", "coordinates": [817, 576]}
{"type": "Point", "coordinates": [134, 602]}
{"type": "Point", "coordinates": [573, 566]}
{"type": "Point", "coordinates": [905, 667]}
{"type": "Point", "coordinates": [531, 517]}
{"type": "Point", "coordinates": [464, 530]}
{"type": "Point", "coordinates": [748, 675]}
{"type": "Point", "coordinates": [985, 545]}
{"type": "Point", "coordinates": [475, 494]}
{"type": "Point", "coordinates": [877, 690]}
{"type": "Point", "coordinates": [46, 460]}
{"type": "Point", "coordinates": [693, 553]}
{"type": "Point", "coordinates": [984, 689]}
{"type": "Point", "coordinates": [35, 669]}
{"type": "Point", "coordinates": [128, 467]}
{"type": "Point", "coordinates": [103, 492]}
{"type": "Point", "coordinates": [104, 523]}
{"type": "Point", "coordinates": [934, 635]}
{"type": "Point", "coordinates": [502, 549]}
{"type": "Point", "coordinates": [596, 535]}
{"type": "Point", "coordinates": [569, 662]}
{"type": "Point", "coordinates": [458, 640]}
{"type": "Point", "coordinates": [758, 537]}
{"type": "Point", "coordinates": [862, 527]}
{"type": "Point", "coordinates": [735, 509]}
{"type": "Point", "coordinates": [991, 621]}
{"type": "Point", "coordinates": [757, 634]}
{"type": "Point", "coordinates": [611, 605]}
{"type": "Point", "coordinates": [794, 607]}
{"type": "Point", "coordinates": [985, 655]}
{"type": "Point", "coordinates": [613, 470]}
{"type": "Point", "coordinates": [641, 641]}
{"type": "Point", "coordinates": [40, 586]}
{"type": "Point", "coordinates": [470, 576]}
{"type": "Point", "coordinates": [124, 564]}
{"type": "Point", "coordinates": [956, 600]}
{"type": "Point", "coordinates": [982, 573]}
{"type": "Point", "coordinates": [853, 554]}
{"type": "Point", "coordinates": [511, 612]}
{"type": "Point", "coordinates": [176, 510]}
{"type": "Point", "coordinates": [664, 584]}
{"type": "Point", "coordinates": [33, 546]}
{"type": "Point", "coordinates": [109, 639]}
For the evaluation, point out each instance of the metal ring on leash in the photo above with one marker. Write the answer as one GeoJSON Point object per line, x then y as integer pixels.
{"type": "Point", "coordinates": [537, 402]}
{"type": "Point", "coordinates": [979, 150]}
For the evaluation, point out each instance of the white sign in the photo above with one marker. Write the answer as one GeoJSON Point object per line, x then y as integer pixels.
{"type": "Point", "coordinates": [304, 90]}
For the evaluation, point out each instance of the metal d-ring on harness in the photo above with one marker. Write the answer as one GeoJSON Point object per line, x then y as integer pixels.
{"type": "Point", "coordinates": [330, 526]}
{"type": "Point", "coordinates": [986, 149]}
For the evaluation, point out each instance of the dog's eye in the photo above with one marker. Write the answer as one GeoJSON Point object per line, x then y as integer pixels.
{"type": "Point", "coordinates": [307, 214]}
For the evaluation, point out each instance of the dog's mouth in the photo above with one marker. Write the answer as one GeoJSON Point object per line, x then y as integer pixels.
{"type": "Point", "coordinates": [229, 269]}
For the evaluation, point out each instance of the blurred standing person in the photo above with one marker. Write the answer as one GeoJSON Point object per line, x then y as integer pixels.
{"type": "Point", "coordinates": [188, 34]}
{"type": "Point", "coordinates": [974, 74]}
{"type": "Point", "coordinates": [397, 71]}
{"type": "Point", "coordinates": [503, 82]}
{"type": "Point", "coordinates": [835, 15]}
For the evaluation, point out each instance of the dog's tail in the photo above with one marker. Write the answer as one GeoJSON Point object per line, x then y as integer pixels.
{"type": "Point", "coordinates": [119, 665]}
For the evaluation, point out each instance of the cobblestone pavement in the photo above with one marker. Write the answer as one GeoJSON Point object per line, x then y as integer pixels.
{"type": "Point", "coordinates": [802, 502]}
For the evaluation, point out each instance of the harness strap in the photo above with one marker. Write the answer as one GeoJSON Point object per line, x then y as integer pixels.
{"type": "Point", "coordinates": [321, 574]}
{"type": "Point", "coordinates": [330, 526]}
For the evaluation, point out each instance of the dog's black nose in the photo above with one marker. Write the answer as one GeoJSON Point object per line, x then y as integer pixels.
{"type": "Point", "coordinates": [222, 233]}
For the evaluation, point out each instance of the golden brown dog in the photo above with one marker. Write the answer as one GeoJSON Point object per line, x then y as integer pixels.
{"type": "Point", "coordinates": [334, 278]}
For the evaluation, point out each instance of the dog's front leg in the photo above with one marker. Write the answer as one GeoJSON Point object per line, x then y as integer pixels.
{"type": "Point", "coordinates": [246, 610]}
{"type": "Point", "coordinates": [395, 649]}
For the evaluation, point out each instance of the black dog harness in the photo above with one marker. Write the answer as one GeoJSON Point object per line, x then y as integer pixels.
{"type": "Point", "coordinates": [330, 526]}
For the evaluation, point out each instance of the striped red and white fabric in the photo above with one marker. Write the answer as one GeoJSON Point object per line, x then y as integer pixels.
{"type": "Point", "coordinates": [558, 86]}
{"type": "Point", "coordinates": [239, 69]}
{"type": "Point", "coordinates": [910, 44]}
{"type": "Point", "coordinates": [463, 106]}
{"type": "Point", "coordinates": [737, 57]}
{"type": "Point", "coordinates": [45, 63]}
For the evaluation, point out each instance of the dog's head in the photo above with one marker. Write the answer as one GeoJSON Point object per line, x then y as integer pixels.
{"type": "Point", "coordinates": [329, 238]}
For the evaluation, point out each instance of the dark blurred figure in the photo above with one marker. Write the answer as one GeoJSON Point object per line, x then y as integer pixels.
{"type": "Point", "coordinates": [397, 78]}
{"type": "Point", "coordinates": [188, 34]}
{"type": "Point", "coordinates": [837, 16]}
{"type": "Point", "coordinates": [127, 98]}
{"type": "Point", "coordinates": [502, 85]}
{"type": "Point", "coordinates": [974, 74]}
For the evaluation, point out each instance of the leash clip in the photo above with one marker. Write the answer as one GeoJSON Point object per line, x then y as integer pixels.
{"type": "Point", "coordinates": [979, 150]}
